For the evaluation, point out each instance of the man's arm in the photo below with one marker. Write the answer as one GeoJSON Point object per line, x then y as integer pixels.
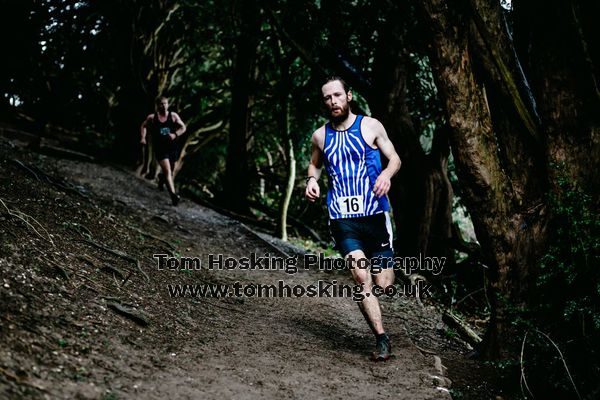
{"type": "Point", "coordinates": [179, 131]}
{"type": "Point", "coordinates": [385, 145]}
{"type": "Point", "coordinates": [313, 191]}
{"type": "Point", "coordinates": [143, 129]}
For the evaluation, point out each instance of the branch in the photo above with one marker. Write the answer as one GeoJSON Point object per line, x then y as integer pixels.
{"type": "Point", "coordinates": [325, 55]}
{"type": "Point", "coordinates": [463, 329]}
{"type": "Point", "coordinates": [307, 55]}
{"type": "Point", "coordinates": [513, 80]}
{"type": "Point", "coordinates": [584, 47]}
{"type": "Point", "coordinates": [173, 67]}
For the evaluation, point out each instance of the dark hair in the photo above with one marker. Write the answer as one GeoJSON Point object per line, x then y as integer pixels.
{"type": "Point", "coordinates": [159, 99]}
{"type": "Point", "coordinates": [334, 78]}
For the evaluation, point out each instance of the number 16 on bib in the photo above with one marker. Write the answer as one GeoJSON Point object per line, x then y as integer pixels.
{"type": "Point", "coordinates": [351, 204]}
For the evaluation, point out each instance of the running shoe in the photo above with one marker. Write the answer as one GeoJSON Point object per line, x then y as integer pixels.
{"type": "Point", "coordinates": [383, 350]}
{"type": "Point", "coordinates": [175, 198]}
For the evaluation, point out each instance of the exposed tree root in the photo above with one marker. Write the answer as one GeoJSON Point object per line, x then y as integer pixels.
{"type": "Point", "coordinates": [24, 217]}
{"type": "Point", "coordinates": [137, 316]}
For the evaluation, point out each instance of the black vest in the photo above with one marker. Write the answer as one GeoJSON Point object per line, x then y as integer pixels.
{"type": "Point", "coordinates": [161, 130]}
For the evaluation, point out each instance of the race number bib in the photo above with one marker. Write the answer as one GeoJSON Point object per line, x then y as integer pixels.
{"type": "Point", "coordinates": [164, 131]}
{"type": "Point", "coordinates": [351, 204]}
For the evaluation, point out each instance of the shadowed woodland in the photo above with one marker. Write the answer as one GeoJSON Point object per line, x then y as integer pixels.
{"type": "Point", "coordinates": [493, 107]}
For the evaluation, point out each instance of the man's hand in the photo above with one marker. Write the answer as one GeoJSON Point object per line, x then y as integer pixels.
{"type": "Point", "coordinates": [312, 190]}
{"type": "Point", "coordinates": [382, 185]}
{"type": "Point", "coordinates": [143, 141]}
{"type": "Point", "coordinates": [172, 136]}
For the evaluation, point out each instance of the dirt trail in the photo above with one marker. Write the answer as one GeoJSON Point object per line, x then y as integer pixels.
{"type": "Point", "coordinates": [60, 338]}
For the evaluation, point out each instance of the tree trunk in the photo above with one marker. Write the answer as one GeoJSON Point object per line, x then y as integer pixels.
{"type": "Point", "coordinates": [505, 158]}
{"type": "Point", "coordinates": [483, 181]}
{"type": "Point", "coordinates": [286, 137]}
{"type": "Point", "coordinates": [236, 181]}
{"type": "Point", "coordinates": [291, 168]}
{"type": "Point", "coordinates": [192, 141]}
{"type": "Point", "coordinates": [421, 194]}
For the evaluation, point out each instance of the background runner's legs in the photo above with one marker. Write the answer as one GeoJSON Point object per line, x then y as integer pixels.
{"type": "Point", "coordinates": [165, 164]}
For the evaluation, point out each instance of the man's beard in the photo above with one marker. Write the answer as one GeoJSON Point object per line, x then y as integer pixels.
{"type": "Point", "coordinates": [341, 117]}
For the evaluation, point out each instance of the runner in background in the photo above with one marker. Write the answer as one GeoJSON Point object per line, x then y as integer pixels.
{"type": "Point", "coordinates": [165, 127]}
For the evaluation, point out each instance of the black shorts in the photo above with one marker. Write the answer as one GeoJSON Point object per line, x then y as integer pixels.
{"type": "Point", "coordinates": [165, 148]}
{"type": "Point", "coordinates": [371, 234]}
{"type": "Point", "coordinates": [171, 154]}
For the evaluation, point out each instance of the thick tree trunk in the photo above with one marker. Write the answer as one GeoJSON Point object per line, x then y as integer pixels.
{"type": "Point", "coordinates": [421, 194]}
{"type": "Point", "coordinates": [520, 139]}
{"type": "Point", "coordinates": [236, 181]}
{"type": "Point", "coordinates": [484, 184]}
{"type": "Point", "coordinates": [505, 160]}
{"type": "Point", "coordinates": [435, 234]}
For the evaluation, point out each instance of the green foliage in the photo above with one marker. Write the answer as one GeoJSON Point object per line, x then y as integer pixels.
{"type": "Point", "coordinates": [503, 366]}
{"type": "Point", "coordinates": [565, 317]}
{"type": "Point", "coordinates": [450, 333]}
{"type": "Point", "coordinates": [569, 277]}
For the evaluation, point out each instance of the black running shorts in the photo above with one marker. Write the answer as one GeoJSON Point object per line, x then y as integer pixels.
{"type": "Point", "coordinates": [371, 234]}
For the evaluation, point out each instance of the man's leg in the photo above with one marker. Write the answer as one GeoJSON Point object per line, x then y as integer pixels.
{"type": "Point", "coordinates": [151, 163]}
{"type": "Point", "coordinates": [384, 278]}
{"type": "Point", "coordinates": [142, 165]}
{"type": "Point", "coordinates": [162, 177]}
{"type": "Point", "coordinates": [165, 164]}
{"type": "Point", "coordinates": [369, 306]}
{"type": "Point", "coordinates": [172, 164]}
{"type": "Point", "coordinates": [381, 251]}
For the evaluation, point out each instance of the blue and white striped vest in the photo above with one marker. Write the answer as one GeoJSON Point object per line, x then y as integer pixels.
{"type": "Point", "coordinates": [352, 166]}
